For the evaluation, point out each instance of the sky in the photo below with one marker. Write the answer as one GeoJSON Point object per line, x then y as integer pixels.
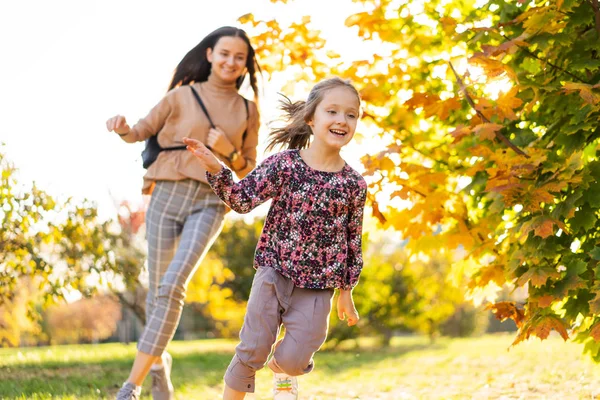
{"type": "Point", "coordinates": [67, 66]}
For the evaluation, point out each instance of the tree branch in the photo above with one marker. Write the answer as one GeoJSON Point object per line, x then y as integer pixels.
{"type": "Point", "coordinates": [499, 136]}
{"type": "Point", "coordinates": [595, 4]}
{"type": "Point", "coordinates": [529, 53]}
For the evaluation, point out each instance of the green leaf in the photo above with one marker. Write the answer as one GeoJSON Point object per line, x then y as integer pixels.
{"type": "Point", "coordinates": [595, 253]}
{"type": "Point", "coordinates": [585, 219]}
{"type": "Point", "coordinates": [576, 267]}
{"type": "Point", "coordinates": [592, 195]}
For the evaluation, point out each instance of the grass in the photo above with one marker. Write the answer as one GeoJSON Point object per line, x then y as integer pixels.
{"type": "Point", "coordinates": [479, 368]}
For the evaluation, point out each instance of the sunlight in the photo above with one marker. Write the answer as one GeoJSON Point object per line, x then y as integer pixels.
{"type": "Point", "coordinates": [496, 87]}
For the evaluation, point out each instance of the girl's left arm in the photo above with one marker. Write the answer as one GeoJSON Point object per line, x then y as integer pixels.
{"type": "Point", "coordinates": [354, 262]}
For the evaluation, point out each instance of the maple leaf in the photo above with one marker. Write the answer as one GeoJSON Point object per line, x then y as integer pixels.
{"type": "Point", "coordinates": [508, 102]}
{"type": "Point", "coordinates": [541, 225]}
{"type": "Point", "coordinates": [595, 304]}
{"type": "Point", "coordinates": [595, 332]}
{"type": "Point", "coordinates": [448, 25]}
{"type": "Point", "coordinates": [549, 323]}
{"type": "Point", "coordinates": [508, 47]}
{"type": "Point", "coordinates": [538, 276]}
{"type": "Point", "coordinates": [460, 132]}
{"type": "Point", "coordinates": [376, 213]}
{"type": "Point", "coordinates": [507, 309]}
{"type": "Point", "coordinates": [490, 273]}
{"type": "Point", "coordinates": [421, 100]}
{"type": "Point", "coordinates": [442, 108]}
{"type": "Point", "coordinates": [403, 193]}
{"type": "Point", "coordinates": [487, 130]}
{"type": "Point", "coordinates": [545, 301]}
{"type": "Point", "coordinates": [493, 68]}
{"type": "Point", "coordinates": [585, 91]}
{"type": "Point", "coordinates": [545, 229]}
{"type": "Point", "coordinates": [541, 326]}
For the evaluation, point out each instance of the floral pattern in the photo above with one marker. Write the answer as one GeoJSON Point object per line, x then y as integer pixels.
{"type": "Point", "coordinates": [313, 231]}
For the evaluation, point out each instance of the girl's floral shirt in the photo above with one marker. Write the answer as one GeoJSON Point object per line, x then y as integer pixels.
{"type": "Point", "coordinates": [313, 231]}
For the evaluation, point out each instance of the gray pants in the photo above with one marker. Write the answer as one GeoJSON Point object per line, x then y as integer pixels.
{"type": "Point", "coordinates": [183, 220]}
{"type": "Point", "coordinates": [274, 300]}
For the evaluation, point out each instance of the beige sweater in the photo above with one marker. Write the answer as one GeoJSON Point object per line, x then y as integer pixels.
{"type": "Point", "coordinates": [179, 115]}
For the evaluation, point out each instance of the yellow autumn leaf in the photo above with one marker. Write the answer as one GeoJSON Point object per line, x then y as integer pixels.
{"type": "Point", "coordinates": [487, 131]}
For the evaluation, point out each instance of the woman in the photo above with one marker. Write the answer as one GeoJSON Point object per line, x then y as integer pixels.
{"type": "Point", "coordinates": [185, 216]}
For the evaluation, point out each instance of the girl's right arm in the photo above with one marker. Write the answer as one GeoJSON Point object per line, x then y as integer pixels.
{"type": "Point", "coordinates": [261, 184]}
{"type": "Point", "coordinates": [146, 127]}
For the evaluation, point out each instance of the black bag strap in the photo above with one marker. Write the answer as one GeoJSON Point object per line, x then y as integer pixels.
{"type": "Point", "coordinates": [247, 118]}
{"type": "Point", "coordinates": [199, 100]}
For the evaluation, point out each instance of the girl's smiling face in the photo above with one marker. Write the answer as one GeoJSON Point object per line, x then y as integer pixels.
{"type": "Point", "coordinates": [335, 117]}
{"type": "Point", "coordinates": [228, 58]}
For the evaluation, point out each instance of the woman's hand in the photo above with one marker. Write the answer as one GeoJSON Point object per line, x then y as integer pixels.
{"type": "Point", "coordinates": [207, 159]}
{"type": "Point", "coordinates": [219, 142]}
{"type": "Point", "coordinates": [345, 307]}
{"type": "Point", "coordinates": [118, 125]}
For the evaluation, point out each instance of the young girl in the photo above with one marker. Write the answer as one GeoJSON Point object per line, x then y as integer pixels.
{"type": "Point", "coordinates": [185, 216]}
{"type": "Point", "coordinates": [311, 240]}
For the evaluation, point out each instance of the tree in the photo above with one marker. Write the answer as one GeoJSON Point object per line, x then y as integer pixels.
{"type": "Point", "coordinates": [486, 115]}
{"type": "Point", "coordinates": [87, 320]}
{"type": "Point", "coordinates": [58, 247]}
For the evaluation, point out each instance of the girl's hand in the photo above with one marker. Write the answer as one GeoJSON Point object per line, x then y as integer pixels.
{"type": "Point", "coordinates": [118, 125]}
{"type": "Point", "coordinates": [345, 307]}
{"type": "Point", "coordinates": [207, 159]}
{"type": "Point", "coordinates": [219, 142]}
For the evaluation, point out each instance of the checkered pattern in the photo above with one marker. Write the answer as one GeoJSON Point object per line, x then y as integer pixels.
{"type": "Point", "coordinates": [183, 220]}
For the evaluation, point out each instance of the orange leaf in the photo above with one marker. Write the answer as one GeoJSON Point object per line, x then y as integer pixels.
{"type": "Point", "coordinates": [543, 328]}
{"type": "Point", "coordinates": [507, 309]}
{"type": "Point", "coordinates": [508, 102]}
{"type": "Point", "coordinates": [492, 68]}
{"type": "Point", "coordinates": [507, 47]}
{"type": "Point", "coordinates": [487, 274]}
{"type": "Point", "coordinates": [545, 229]}
{"type": "Point", "coordinates": [421, 100]}
{"type": "Point", "coordinates": [487, 130]}
{"type": "Point", "coordinates": [538, 276]}
{"type": "Point", "coordinates": [460, 132]}
{"type": "Point", "coordinates": [595, 332]}
{"type": "Point", "coordinates": [545, 301]}
{"type": "Point", "coordinates": [377, 214]}
{"type": "Point", "coordinates": [441, 108]}
{"type": "Point", "coordinates": [448, 25]}
{"type": "Point", "coordinates": [595, 303]}
{"type": "Point", "coordinates": [541, 195]}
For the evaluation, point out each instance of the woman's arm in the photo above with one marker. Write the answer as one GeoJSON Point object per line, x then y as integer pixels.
{"type": "Point", "coordinates": [146, 127]}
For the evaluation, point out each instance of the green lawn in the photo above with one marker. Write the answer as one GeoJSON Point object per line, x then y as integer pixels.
{"type": "Point", "coordinates": [479, 368]}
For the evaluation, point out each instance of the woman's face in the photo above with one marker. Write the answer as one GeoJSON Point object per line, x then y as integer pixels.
{"type": "Point", "coordinates": [228, 58]}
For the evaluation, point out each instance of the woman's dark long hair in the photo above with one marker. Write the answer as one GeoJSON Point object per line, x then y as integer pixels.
{"type": "Point", "coordinates": [195, 67]}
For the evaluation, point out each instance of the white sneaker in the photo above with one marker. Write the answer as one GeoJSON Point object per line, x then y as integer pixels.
{"type": "Point", "coordinates": [162, 388]}
{"type": "Point", "coordinates": [285, 387]}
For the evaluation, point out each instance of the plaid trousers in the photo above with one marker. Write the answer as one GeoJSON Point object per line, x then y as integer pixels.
{"type": "Point", "coordinates": [183, 220]}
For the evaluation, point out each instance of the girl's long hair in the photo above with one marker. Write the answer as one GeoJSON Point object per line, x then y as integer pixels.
{"type": "Point", "coordinates": [296, 133]}
{"type": "Point", "coordinates": [195, 67]}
